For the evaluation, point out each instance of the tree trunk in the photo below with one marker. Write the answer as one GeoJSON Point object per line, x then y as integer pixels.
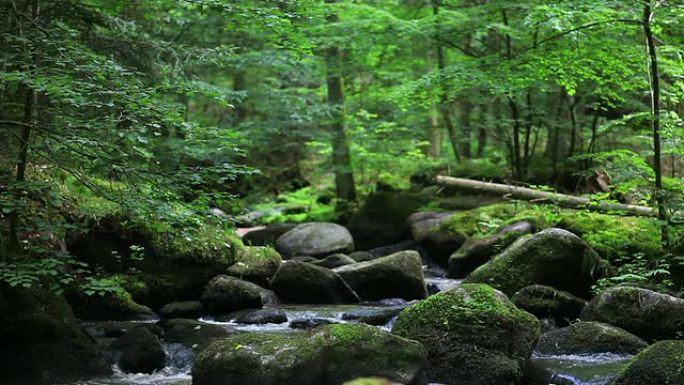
{"type": "Point", "coordinates": [341, 156]}
{"type": "Point", "coordinates": [482, 131]}
{"type": "Point", "coordinates": [29, 120]}
{"type": "Point", "coordinates": [655, 121]}
{"type": "Point", "coordinates": [465, 123]}
{"type": "Point", "coordinates": [515, 114]}
{"type": "Point", "coordinates": [537, 196]}
{"type": "Point", "coordinates": [434, 136]}
{"type": "Point", "coordinates": [444, 106]}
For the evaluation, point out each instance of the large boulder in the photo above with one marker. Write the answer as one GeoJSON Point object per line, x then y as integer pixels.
{"type": "Point", "coordinates": [315, 239]}
{"type": "Point", "coordinates": [589, 338]}
{"type": "Point", "coordinates": [439, 241]}
{"type": "Point", "coordinates": [553, 257]}
{"type": "Point", "coordinates": [474, 335]}
{"type": "Point", "coordinates": [547, 302]}
{"type": "Point", "coordinates": [184, 309]}
{"type": "Point", "coordinates": [141, 351]}
{"type": "Point", "coordinates": [475, 252]}
{"type": "Point", "coordinates": [398, 275]}
{"type": "Point", "coordinates": [646, 313]}
{"type": "Point", "coordinates": [194, 334]}
{"type": "Point", "coordinates": [110, 307]}
{"type": "Point", "coordinates": [660, 364]}
{"type": "Point", "coordinates": [301, 282]}
{"type": "Point", "coordinates": [224, 294]}
{"type": "Point", "coordinates": [255, 264]}
{"type": "Point", "coordinates": [328, 355]}
{"type": "Point", "coordinates": [382, 218]}
{"type": "Point", "coordinates": [268, 235]}
{"type": "Point", "coordinates": [42, 339]}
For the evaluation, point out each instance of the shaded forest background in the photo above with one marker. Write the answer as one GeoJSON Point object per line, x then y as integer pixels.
{"type": "Point", "coordinates": [158, 112]}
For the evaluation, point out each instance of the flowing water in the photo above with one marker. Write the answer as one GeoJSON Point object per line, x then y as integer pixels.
{"type": "Point", "coordinates": [589, 369]}
{"type": "Point", "coordinates": [597, 369]}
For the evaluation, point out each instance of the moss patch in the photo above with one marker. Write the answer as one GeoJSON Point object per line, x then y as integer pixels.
{"type": "Point", "coordinates": [611, 236]}
{"type": "Point", "coordinates": [660, 364]}
{"type": "Point", "coordinates": [476, 326]}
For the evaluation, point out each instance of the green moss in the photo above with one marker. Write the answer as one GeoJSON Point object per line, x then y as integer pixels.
{"type": "Point", "coordinates": [476, 326]}
{"type": "Point", "coordinates": [660, 364]}
{"type": "Point", "coordinates": [368, 381]}
{"type": "Point", "coordinates": [327, 355]}
{"type": "Point", "coordinates": [612, 236]}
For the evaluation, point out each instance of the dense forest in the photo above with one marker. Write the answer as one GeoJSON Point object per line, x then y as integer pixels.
{"type": "Point", "coordinates": [328, 192]}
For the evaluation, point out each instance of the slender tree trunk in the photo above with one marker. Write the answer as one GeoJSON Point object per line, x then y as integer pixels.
{"type": "Point", "coordinates": [573, 124]}
{"type": "Point", "coordinates": [29, 120]}
{"type": "Point", "coordinates": [344, 177]}
{"type": "Point", "coordinates": [516, 159]}
{"type": "Point", "coordinates": [434, 136]}
{"type": "Point", "coordinates": [655, 121]}
{"type": "Point", "coordinates": [482, 131]}
{"type": "Point", "coordinates": [466, 129]}
{"type": "Point", "coordinates": [444, 106]}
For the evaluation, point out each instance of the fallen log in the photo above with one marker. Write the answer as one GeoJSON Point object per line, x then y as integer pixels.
{"type": "Point", "coordinates": [537, 196]}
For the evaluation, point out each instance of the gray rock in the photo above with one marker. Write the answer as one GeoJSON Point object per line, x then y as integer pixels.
{"type": "Point", "coordinates": [589, 338]}
{"type": "Point", "coordinates": [301, 282]}
{"type": "Point", "coordinates": [224, 294]}
{"type": "Point", "coordinates": [396, 276]}
{"type": "Point", "coordinates": [548, 302]}
{"type": "Point", "coordinates": [335, 260]}
{"type": "Point", "coordinates": [315, 239]}
{"type": "Point", "coordinates": [141, 351]}
{"type": "Point", "coordinates": [646, 313]}
{"type": "Point", "coordinates": [185, 309]}
{"type": "Point", "coordinates": [261, 316]}
{"type": "Point", "coordinates": [268, 235]}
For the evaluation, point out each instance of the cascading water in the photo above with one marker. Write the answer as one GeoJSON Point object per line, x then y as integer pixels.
{"type": "Point", "coordinates": [584, 369]}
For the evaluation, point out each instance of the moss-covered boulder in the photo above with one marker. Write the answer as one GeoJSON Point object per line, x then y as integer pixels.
{"type": "Point", "coordinates": [551, 257]}
{"type": "Point", "coordinates": [110, 307]}
{"type": "Point", "coordinates": [660, 364]}
{"type": "Point", "coordinates": [224, 294]}
{"type": "Point", "coordinates": [648, 314]}
{"type": "Point", "coordinates": [328, 355]}
{"type": "Point", "coordinates": [548, 302]}
{"type": "Point", "coordinates": [398, 275]}
{"type": "Point", "coordinates": [335, 260]}
{"type": "Point", "coordinates": [382, 218]}
{"type": "Point", "coordinates": [315, 239]}
{"type": "Point", "coordinates": [439, 241]}
{"type": "Point", "coordinates": [255, 264]}
{"type": "Point", "coordinates": [41, 338]}
{"type": "Point", "coordinates": [476, 251]}
{"type": "Point", "coordinates": [268, 235]}
{"type": "Point", "coordinates": [194, 334]}
{"type": "Point", "coordinates": [301, 282]}
{"type": "Point", "coordinates": [474, 335]}
{"type": "Point", "coordinates": [184, 309]}
{"type": "Point", "coordinates": [589, 338]}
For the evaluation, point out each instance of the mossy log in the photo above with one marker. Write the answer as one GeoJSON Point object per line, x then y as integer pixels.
{"type": "Point", "coordinates": [536, 196]}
